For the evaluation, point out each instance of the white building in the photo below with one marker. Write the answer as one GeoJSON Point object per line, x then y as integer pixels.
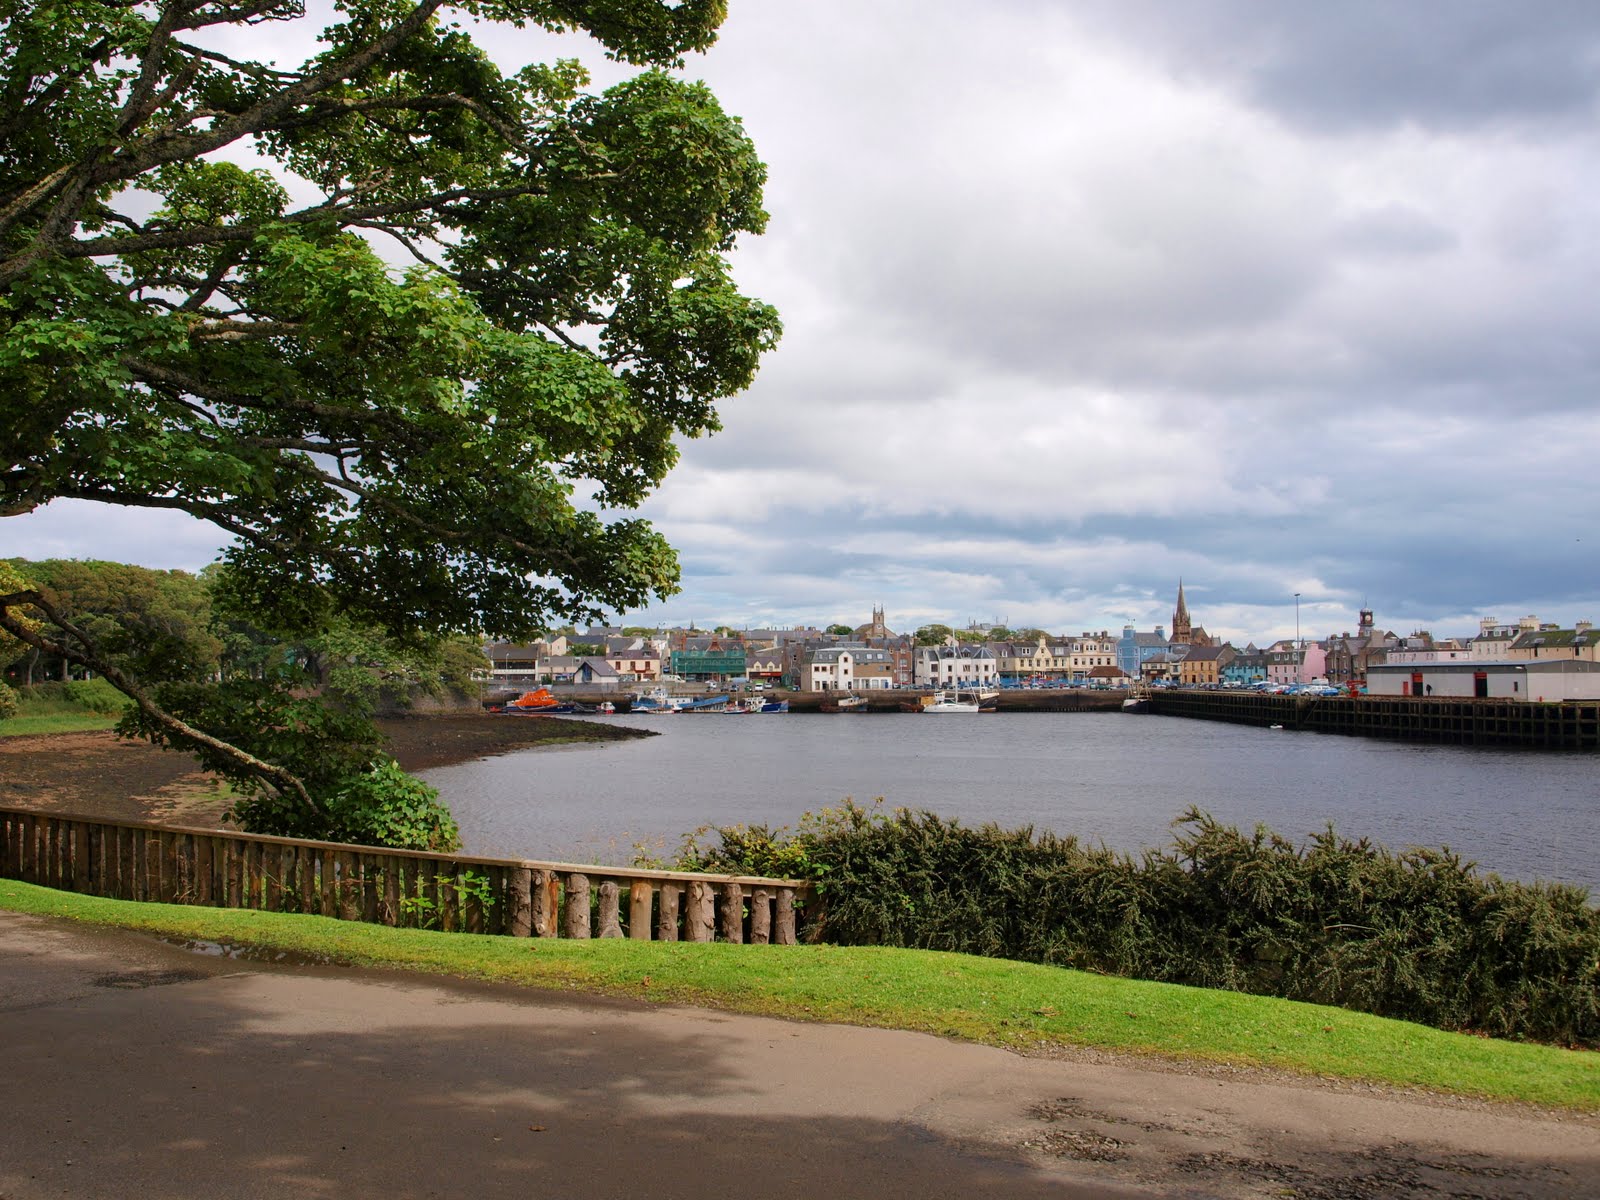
{"type": "Point", "coordinates": [961, 665]}
{"type": "Point", "coordinates": [1547, 680]}
{"type": "Point", "coordinates": [846, 669]}
{"type": "Point", "coordinates": [1495, 637]}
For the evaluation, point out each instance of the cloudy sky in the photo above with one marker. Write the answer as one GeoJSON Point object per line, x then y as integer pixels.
{"type": "Point", "coordinates": [1084, 297]}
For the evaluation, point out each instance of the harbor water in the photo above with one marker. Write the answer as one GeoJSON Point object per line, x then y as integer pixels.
{"type": "Point", "coordinates": [1104, 777]}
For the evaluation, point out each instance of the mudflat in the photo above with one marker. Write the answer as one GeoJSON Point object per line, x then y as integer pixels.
{"type": "Point", "coordinates": [101, 775]}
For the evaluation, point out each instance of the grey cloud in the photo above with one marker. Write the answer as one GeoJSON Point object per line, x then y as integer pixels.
{"type": "Point", "coordinates": [1448, 64]}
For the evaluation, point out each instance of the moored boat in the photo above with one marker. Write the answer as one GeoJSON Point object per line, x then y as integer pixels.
{"type": "Point", "coordinates": [539, 702]}
{"type": "Point", "coordinates": [847, 703]}
{"type": "Point", "coordinates": [956, 700]}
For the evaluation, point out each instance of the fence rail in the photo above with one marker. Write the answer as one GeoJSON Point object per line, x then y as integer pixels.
{"type": "Point", "coordinates": [404, 888]}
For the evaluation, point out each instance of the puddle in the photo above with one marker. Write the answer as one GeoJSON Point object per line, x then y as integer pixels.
{"type": "Point", "coordinates": [145, 979]}
{"type": "Point", "coordinates": [258, 954]}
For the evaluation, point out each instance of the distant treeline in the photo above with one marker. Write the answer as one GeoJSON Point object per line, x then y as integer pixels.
{"type": "Point", "coordinates": [1420, 935]}
{"type": "Point", "coordinates": [173, 626]}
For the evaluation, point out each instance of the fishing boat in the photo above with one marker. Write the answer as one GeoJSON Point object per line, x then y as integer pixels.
{"type": "Point", "coordinates": [1137, 699]}
{"type": "Point", "coordinates": [848, 703]}
{"type": "Point", "coordinates": [658, 701]}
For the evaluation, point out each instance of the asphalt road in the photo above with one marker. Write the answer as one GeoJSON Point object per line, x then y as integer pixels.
{"type": "Point", "coordinates": [133, 1068]}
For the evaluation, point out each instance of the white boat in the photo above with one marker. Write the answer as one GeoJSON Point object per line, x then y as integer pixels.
{"type": "Point", "coordinates": [958, 701]}
{"type": "Point", "coordinates": [1137, 700]}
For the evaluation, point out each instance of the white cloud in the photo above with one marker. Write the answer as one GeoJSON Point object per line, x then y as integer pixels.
{"type": "Point", "coordinates": [1081, 300]}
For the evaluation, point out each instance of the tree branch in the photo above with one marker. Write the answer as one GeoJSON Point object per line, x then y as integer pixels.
{"type": "Point", "coordinates": [90, 657]}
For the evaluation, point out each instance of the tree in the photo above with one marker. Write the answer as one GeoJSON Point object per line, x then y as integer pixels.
{"type": "Point", "coordinates": [401, 448]}
{"type": "Point", "coordinates": [933, 635]}
{"type": "Point", "coordinates": [155, 624]}
{"type": "Point", "coordinates": [840, 630]}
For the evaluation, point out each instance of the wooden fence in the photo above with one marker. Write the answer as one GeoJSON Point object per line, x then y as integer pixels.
{"type": "Point", "coordinates": [405, 888]}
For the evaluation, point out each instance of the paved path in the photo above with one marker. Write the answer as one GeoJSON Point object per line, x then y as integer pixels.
{"type": "Point", "coordinates": [135, 1068]}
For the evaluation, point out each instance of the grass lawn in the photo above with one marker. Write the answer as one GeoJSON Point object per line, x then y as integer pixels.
{"type": "Point", "coordinates": [1017, 1005]}
{"type": "Point", "coordinates": [74, 721]}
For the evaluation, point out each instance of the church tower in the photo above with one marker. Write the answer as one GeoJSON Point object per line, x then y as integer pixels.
{"type": "Point", "coordinates": [1182, 630]}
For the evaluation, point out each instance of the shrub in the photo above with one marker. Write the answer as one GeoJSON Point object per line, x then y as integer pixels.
{"type": "Point", "coordinates": [96, 696]}
{"type": "Point", "coordinates": [1421, 936]}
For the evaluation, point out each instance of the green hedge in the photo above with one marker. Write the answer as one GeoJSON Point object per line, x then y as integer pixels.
{"type": "Point", "coordinates": [1420, 935]}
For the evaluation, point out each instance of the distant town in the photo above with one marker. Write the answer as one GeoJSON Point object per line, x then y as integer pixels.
{"type": "Point", "coordinates": [1523, 659]}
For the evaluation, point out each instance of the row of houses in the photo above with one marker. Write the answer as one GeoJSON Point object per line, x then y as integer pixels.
{"type": "Point", "coordinates": [873, 657]}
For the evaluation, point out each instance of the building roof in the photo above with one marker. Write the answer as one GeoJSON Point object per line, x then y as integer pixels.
{"type": "Point", "coordinates": [1546, 638]}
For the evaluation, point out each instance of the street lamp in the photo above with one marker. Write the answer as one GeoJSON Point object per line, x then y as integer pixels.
{"type": "Point", "coordinates": [1299, 658]}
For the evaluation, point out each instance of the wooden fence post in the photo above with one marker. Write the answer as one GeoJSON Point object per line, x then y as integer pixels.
{"type": "Point", "coordinates": [667, 925]}
{"type": "Point", "coordinates": [542, 898]}
{"type": "Point", "coordinates": [783, 925]}
{"type": "Point", "coordinates": [699, 921]}
{"type": "Point", "coordinates": [519, 902]}
{"type": "Point", "coordinates": [760, 917]}
{"type": "Point", "coordinates": [640, 897]}
{"type": "Point", "coordinates": [610, 922]}
{"type": "Point", "coordinates": [577, 923]}
{"type": "Point", "coordinates": [732, 923]}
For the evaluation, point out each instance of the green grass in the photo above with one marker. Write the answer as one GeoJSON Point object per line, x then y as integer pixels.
{"type": "Point", "coordinates": [74, 721]}
{"type": "Point", "coordinates": [1018, 1005]}
{"type": "Point", "coordinates": [46, 709]}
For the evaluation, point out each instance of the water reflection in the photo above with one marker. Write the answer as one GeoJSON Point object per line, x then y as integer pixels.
{"type": "Point", "coordinates": [1107, 778]}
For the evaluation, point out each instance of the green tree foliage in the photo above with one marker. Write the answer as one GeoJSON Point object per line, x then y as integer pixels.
{"type": "Point", "coordinates": [156, 624]}
{"type": "Point", "coordinates": [933, 635]}
{"type": "Point", "coordinates": [401, 448]}
{"type": "Point", "coordinates": [840, 630]}
{"type": "Point", "coordinates": [1419, 935]}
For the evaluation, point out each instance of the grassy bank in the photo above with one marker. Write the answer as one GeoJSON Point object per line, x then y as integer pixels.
{"type": "Point", "coordinates": [62, 722]}
{"type": "Point", "coordinates": [63, 708]}
{"type": "Point", "coordinates": [1017, 1005]}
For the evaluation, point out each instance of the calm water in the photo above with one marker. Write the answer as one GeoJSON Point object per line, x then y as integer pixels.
{"type": "Point", "coordinates": [1106, 777]}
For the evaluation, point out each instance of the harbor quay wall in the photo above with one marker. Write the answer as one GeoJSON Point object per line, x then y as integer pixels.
{"type": "Point", "coordinates": [1567, 725]}
{"type": "Point", "coordinates": [882, 700]}
{"type": "Point", "coordinates": [127, 860]}
{"type": "Point", "coordinates": [1572, 725]}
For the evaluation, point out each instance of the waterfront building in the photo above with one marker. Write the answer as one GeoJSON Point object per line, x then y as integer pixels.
{"type": "Point", "coordinates": [1580, 642]}
{"type": "Point", "coordinates": [1347, 658]}
{"type": "Point", "coordinates": [1493, 643]}
{"type": "Point", "coordinates": [1202, 665]}
{"type": "Point", "coordinates": [1246, 667]}
{"type": "Point", "coordinates": [960, 665]}
{"type": "Point", "coordinates": [1134, 648]}
{"type": "Point", "coordinates": [709, 660]}
{"type": "Point", "coordinates": [634, 660]}
{"type": "Point", "coordinates": [1423, 647]}
{"type": "Point", "coordinates": [764, 666]}
{"type": "Point", "coordinates": [1088, 651]}
{"type": "Point", "coordinates": [1160, 668]}
{"type": "Point", "coordinates": [846, 668]}
{"type": "Point", "coordinates": [1024, 662]}
{"type": "Point", "coordinates": [1290, 664]}
{"type": "Point", "coordinates": [1543, 680]}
